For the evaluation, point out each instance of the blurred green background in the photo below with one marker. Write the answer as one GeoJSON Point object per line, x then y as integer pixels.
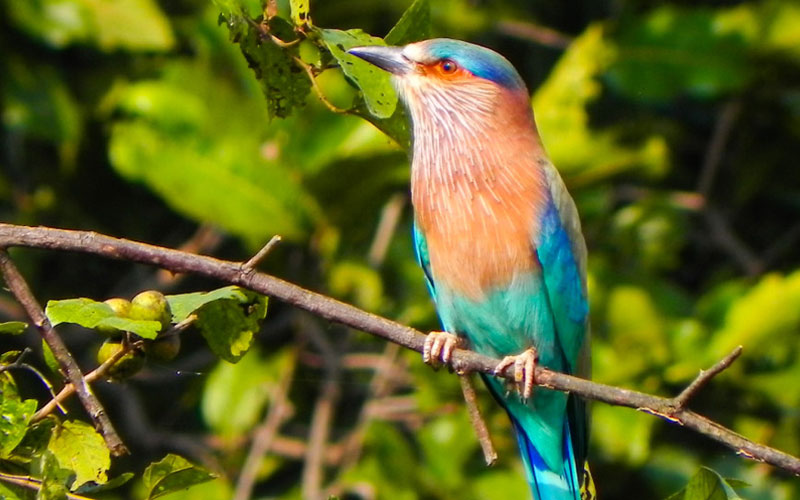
{"type": "Point", "coordinates": [676, 126]}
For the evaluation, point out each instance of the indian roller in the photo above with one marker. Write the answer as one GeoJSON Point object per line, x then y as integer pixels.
{"type": "Point", "coordinates": [499, 239]}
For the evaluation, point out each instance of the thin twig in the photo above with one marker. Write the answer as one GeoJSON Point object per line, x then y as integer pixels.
{"type": "Point", "coordinates": [339, 312]}
{"type": "Point", "coordinates": [535, 33]}
{"type": "Point", "coordinates": [681, 400]}
{"type": "Point", "coordinates": [314, 85]}
{"type": "Point", "coordinates": [313, 467]}
{"type": "Point", "coordinates": [489, 453]}
{"type": "Point", "coordinates": [387, 225]}
{"type": "Point", "coordinates": [280, 409]}
{"type": "Point", "coordinates": [19, 288]}
{"type": "Point", "coordinates": [265, 250]}
{"type": "Point", "coordinates": [716, 146]}
{"type": "Point", "coordinates": [33, 484]}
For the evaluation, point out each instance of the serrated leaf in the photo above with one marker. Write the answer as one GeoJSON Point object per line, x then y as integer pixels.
{"type": "Point", "coordinates": [414, 25]}
{"type": "Point", "coordinates": [299, 12]}
{"type": "Point", "coordinates": [228, 325]}
{"type": "Point", "coordinates": [375, 85]}
{"type": "Point", "coordinates": [91, 314]}
{"type": "Point", "coordinates": [172, 473]}
{"type": "Point", "coordinates": [13, 327]}
{"type": "Point", "coordinates": [706, 484]}
{"type": "Point", "coordinates": [79, 448]}
{"type": "Point", "coordinates": [15, 415]}
{"type": "Point", "coordinates": [54, 477]}
{"type": "Point", "coordinates": [182, 305]}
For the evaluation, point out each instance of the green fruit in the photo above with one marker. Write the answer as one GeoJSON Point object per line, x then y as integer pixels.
{"type": "Point", "coordinates": [151, 305]}
{"type": "Point", "coordinates": [163, 348]}
{"type": "Point", "coordinates": [126, 366]}
{"type": "Point", "coordinates": [121, 309]}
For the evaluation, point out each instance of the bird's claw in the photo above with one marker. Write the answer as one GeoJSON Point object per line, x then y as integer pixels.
{"type": "Point", "coordinates": [524, 371]}
{"type": "Point", "coordinates": [439, 347]}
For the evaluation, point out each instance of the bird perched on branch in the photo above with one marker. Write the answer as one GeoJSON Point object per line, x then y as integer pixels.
{"type": "Point", "coordinates": [499, 239]}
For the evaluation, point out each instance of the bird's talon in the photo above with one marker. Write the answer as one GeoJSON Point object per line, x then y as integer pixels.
{"type": "Point", "coordinates": [524, 371]}
{"type": "Point", "coordinates": [439, 347]}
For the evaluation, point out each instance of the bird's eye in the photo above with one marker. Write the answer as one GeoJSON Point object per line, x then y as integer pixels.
{"type": "Point", "coordinates": [448, 66]}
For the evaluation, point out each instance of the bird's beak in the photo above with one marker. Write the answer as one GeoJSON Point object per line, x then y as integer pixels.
{"type": "Point", "coordinates": [390, 59]}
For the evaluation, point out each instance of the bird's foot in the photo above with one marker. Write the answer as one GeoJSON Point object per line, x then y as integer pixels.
{"type": "Point", "coordinates": [439, 347]}
{"type": "Point", "coordinates": [524, 371]}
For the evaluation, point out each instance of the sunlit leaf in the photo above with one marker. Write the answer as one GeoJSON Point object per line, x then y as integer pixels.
{"type": "Point", "coordinates": [134, 25]}
{"type": "Point", "coordinates": [706, 485]}
{"type": "Point", "coordinates": [235, 395]}
{"type": "Point", "coordinates": [414, 25]}
{"type": "Point", "coordinates": [184, 304]}
{"type": "Point", "coordinates": [299, 11]}
{"type": "Point", "coordinates": [93, 314]}
{"type": "Point", "coordinates": [380, 97]}
{"type": "Point", "coordinates": [13, 327]}
{"type": "Point", "coordinates": [15, 415]}
{"type": "Point", "coordinates": [560, 106]}
{"type": "Point", "coordinates": [172, 473]}
{"type": "Point", "coordinates": [79, 448]}
{"type": "Point", "coordinates": [228, 325]}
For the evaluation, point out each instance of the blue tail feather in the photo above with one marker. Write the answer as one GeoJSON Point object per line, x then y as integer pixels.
{"type": "Point", "coordinates": [546, 483]}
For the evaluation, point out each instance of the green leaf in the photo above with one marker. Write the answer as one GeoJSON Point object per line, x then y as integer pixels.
{"type": "Point", "coordinates": [675, 51]}
{"type": "Point", "coordinates": [183, 305]}
{"type": "Point", "coordinates": [299, 12]}
{"type": "Point", "coordinates": [285, 85]}
{"type": "Point", "coordinates": [79, 448]}
{"type": "Point", "coordinates": [91, 314]}
{"type": "Point", "coordinates": [413, 26]}
{"type": "Point", "coordinates": [10, 492]}
{"type": "Point", "coordinates": [375, 85]}
{"type": "Point", "coordinates": [15, 415]}
{"type": "Point", "coordinates": [134, 25]}
{"type": "Point", "coordinates": [560, 105]}
{"type": "Point", "coordinates": [90, 489]}
{"type": "Point", "coordinates": [54, 477]}
{"type": "Point", "coordinates": [706, 485]}
{"type": "Point", "coordinates": [235, 395]}
{"type": "Point", "coordinates": [50, 358]}
{"type": "Point", "coordinates": [228, 325]}
{"type": "Point", "coordinates": [13, 327]}
{"type": "Point", "coordinates": [203, 154]}
{"type": "Point", "coordinates": [172, 473]}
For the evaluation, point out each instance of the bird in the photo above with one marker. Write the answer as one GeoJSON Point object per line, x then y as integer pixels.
{"type": "Point", "coordinates": [499, 240]}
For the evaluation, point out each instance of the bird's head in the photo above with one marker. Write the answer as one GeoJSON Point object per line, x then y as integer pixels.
{"type": "Point", "coordinates": [446, 80]}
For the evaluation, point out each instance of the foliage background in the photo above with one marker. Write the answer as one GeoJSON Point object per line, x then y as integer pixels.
{"type": "Point", "coordinates": [675, 124]}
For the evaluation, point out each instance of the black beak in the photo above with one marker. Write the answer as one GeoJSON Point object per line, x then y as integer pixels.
{"type": "Point", "coordinates": [390, 59]}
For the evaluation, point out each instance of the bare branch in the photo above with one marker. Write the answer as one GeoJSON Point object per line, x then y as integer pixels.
{"type": "Point", "coordinates": [681, 400]}
{"type": "Point", "coordinates": [334, 310]}
{"type": "Point", "coordinates": [33, 484]}
{"type": "Point", "coordinates": [265, 250]}
{"type": "Point", "coordinates": [489, 453]}
{"type": "Point", "coordinates": [19, 287]}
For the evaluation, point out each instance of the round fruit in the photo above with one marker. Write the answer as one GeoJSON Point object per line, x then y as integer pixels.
{"type": "Point", "coordinates": [126, 366]}
{"type": "Point", "coordinates": [151, 305]}
{"type": "Point", "coordinates": [163, 348]}
{"type": "Point", "coordinates": [121, 309]}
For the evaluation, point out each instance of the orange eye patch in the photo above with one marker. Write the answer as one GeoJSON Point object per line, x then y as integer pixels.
{"type": "Point", "coordinates": [446, 69]}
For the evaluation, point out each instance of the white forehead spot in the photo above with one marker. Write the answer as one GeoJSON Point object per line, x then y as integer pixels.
{"type": "Point", "coordinates": [414, 52]}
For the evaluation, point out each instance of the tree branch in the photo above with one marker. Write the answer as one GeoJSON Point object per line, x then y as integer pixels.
{"type": "Point", "coordinates": [16, 283]}
{"type": "Point", "coordinates": [334, 310]}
